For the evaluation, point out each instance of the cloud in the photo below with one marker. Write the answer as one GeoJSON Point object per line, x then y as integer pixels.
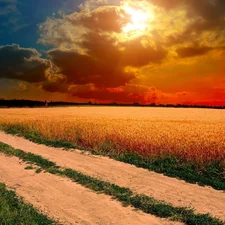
{"type": "Point", "coordinates": [22, 86]}
{"type": "Point", "coordinates": [55, 86]}
{"type": "Point", "coordinates": [81, 89]}
{"type": "Point", "coordinates": [84, 69]}
{"type": "Point", "coordinates": [59, 33]}
{"type": "Point", "coordinates": [205, 18]}
{"type": "Point", "coordinates": [88, 49]}
{"type": "Point", "coordinates": [98, 60]}
{"type": "Point", "coordinates": [103, 62]}
{"type": "Point", "coordinates": [137, 55]}
{"type": "Point", "coordinates": [13, 20]}
{"type": "Point", "coordinates": [208, 9]}
{"type": "Point", "coordinates": [22, 64]}
{"type": "Point", "coordinates": [91, 4]}
{"type": "Point", "coordinates": [70, 30]}
{"type": "Point", "coordinates": [9, 8]}
{"type": "Point", "coordinates": [191, 51]}
{"type": "Point", "coordinates": [129, 93]}
{"type": "Point", "coordinates": [104, 18]}
{"type": "Point", "coordinates": [179, 52]}
{"type": "Point", "coordinates": [167, 4]}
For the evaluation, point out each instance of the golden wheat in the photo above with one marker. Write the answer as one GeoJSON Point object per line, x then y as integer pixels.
{"type": "Point", "coordinates": [191, 134]}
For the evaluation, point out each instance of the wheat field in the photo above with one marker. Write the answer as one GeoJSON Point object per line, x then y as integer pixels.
{"type": "Point", "coordinates": [193, 135]}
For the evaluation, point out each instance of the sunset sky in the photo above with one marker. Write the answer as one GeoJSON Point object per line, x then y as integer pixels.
{"type": "Point", "coordinates": [161, 51]}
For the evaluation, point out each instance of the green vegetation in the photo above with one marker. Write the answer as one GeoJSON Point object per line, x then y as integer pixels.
{"type": "Point", "coordinates": [211, 175]}
{"type": "Point", "coordinates": [124, 195]}
{"type": "Point", "coordinates": [13, 211]}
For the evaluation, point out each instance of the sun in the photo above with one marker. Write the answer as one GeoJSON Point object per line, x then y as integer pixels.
{"type": "Point", "coordinates": [139, 20]}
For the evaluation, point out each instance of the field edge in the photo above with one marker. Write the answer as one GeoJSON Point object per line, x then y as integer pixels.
{"type": "Point", "coordinates": [124, 195]}
{"type": "Point", "coordinates": [211, 175]}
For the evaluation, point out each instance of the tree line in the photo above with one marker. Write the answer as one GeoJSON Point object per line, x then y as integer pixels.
{"type": "Point", "coordinates": [15, 103]}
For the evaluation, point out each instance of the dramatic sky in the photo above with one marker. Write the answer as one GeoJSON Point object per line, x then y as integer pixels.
{"type": "Point", "coordinates": [162, 51]}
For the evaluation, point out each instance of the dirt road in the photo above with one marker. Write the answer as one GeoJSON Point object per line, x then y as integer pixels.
{"type": "Point", "coordinates": [66, 201]}
{"type": "Point", "coordinates": [170, 190]}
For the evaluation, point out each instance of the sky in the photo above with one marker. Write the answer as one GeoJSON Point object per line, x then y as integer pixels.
{"type": "Point", "coordinates": [125, 51]}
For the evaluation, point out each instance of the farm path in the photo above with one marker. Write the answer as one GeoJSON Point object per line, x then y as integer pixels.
{"type": "Point", "coordinates": [141, 181]}
{"type": "Point", "coordinates": [66, 201]}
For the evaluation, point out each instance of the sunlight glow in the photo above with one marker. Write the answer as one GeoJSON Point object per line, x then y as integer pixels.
{"type": "Point", "coordinates": [140, 19]}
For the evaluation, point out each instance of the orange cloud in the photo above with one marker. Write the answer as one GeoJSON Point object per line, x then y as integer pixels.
{"type": "Point", "coordinates": [104, 18]}
{"type": "Point", "coordinates": [137, 55]}
{"type": "Point", "coordinates": [100, 57]}
{"type": "Point", "coordinates": [127, 94]}
{"type": "Point", "coordinates": [191, 51]}
{"type": "Point", "coordinates": [178, 56]}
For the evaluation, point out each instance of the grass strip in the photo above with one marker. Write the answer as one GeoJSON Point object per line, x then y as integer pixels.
{"type": "Point", "coordinates": [124, 195]}
{"type": "Point", "coordinates": [13, 211]}
{"type": "Point", "coordinates": [212, 175]}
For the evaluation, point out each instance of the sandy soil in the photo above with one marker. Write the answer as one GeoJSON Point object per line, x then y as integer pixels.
{"type": "Point", "coordinates": [171, 190]}
{"type": "Point", "coordinates": [66, 201]}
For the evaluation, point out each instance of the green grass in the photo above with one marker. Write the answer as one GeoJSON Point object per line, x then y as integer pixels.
{"type": "Point", "coordinates": [29, 168]}
{"type": "Point", "coordinates": [210, 175]}
{"type": "Point", "coordinates": [124, 195]}
{"type": "Point", "coordinates": [13, 211]}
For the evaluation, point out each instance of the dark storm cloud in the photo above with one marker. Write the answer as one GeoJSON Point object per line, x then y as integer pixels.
{"type": "Point", "coordinates": [84, 69]}
{"type": "Point", "coordinates": [22, 64]}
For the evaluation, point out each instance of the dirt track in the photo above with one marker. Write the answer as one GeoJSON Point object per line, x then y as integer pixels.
{"type": "Point", "coordinates": [68, 202]}
{"type": "Point", "coordinates": [174, 191]}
